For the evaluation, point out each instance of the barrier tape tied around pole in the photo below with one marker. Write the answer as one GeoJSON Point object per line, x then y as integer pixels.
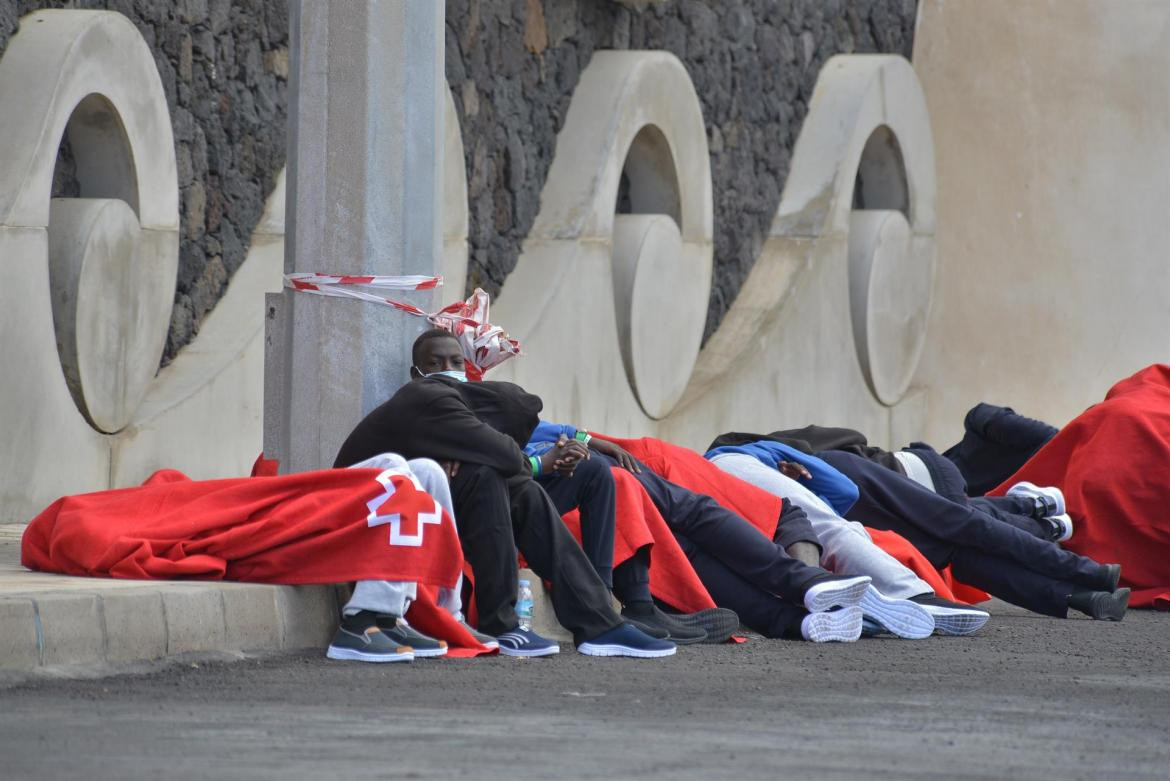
{"type": "Point", "coordinates": [350, 287]}
{"type": "Point", "coordinates": [484, 345]}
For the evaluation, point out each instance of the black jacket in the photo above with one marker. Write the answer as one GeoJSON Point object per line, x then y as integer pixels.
{"type": "Point", "coordinates": [812, 439]}
{"type": "Point", "coordinates": [446, 420]}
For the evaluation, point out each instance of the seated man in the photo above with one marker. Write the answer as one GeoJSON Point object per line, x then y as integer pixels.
{"type": "Point", "coordinates": [575, 482]}
{"type": "Point", "coordinates": [373, 625]}
{"type": "Point", "coordinates": [745, 571]}
{"type": "Point", "coordinates": [981, 550]}
{"type": "Point", "coordinates": [472, 430]}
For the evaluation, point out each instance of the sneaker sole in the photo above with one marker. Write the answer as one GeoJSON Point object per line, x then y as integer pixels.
{"type": "Point", "coordinates": [901, 617]}
{"type": "Point", "coordinates": [841, 626]}
{"type": "Point", "coordinates": [718, 623]}
{"type": "Point", "coordinates": [429, 653]}
{"type": "Point", "coordinates": [529, 653]}
{"type": "Point", "coordinates": [955, 623]}
{"type": "Point", "coordinates": [1113, 607]}
{"type": "Point", "coordinates": [593, 649]}
{"type": "Point", "coordinates": [835, 593]}
{"type": "Point", "coordinates": [350, 655]}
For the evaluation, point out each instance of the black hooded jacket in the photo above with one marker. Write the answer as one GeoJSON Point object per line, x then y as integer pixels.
{"type": "Point", "coordinates": [813, 439]}
{"type": "Point", "coordinates": [446, 420]}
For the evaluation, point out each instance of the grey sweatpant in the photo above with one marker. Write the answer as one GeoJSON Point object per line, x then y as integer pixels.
{"type": "Point", "coordinates": [393, 597]}
{"type": "Point", "coordinates": [846, 547]}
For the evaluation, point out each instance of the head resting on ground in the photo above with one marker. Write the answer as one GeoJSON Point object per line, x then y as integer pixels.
{"type": "Point", "coordinates": [437, 352]}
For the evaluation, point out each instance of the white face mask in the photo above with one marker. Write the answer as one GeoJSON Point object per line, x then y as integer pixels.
{"type": "Point", "coordinates": [461, 376]}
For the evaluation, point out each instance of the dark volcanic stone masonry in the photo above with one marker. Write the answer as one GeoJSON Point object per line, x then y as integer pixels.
{"type": "Point", "coordinates": [512, 66]}
{"type": "Point", "coordinates": [224, 65]}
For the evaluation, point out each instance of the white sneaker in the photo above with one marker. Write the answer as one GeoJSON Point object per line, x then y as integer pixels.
{"type": "Point", "coordinates": [953, 618]}
{"type": "Point", "coordinates": [900, 617]}
{"type": "Point", "coordinates": [840, 626]}
{"type": "Point", "coordinates": [837, 591]}
{"type": "Point", "coordinates": [1051, 496]}
{"type": "Point", "coordinates": [1065, 524]}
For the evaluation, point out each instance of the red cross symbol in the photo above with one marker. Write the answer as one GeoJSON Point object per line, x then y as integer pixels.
{"type": "Point", "coordinates": [405, 507]}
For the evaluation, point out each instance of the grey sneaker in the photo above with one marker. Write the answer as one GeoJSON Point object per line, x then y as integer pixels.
{"type": "Point", "coordinates": [487, 641]}
{"type": "Point", "coordinates": [425, 647]}
{"type": "Point", "coordinates": [367, 645]}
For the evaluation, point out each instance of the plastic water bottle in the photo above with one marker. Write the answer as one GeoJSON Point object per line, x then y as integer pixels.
{"type": "Point", "coordinates": [524, 607]}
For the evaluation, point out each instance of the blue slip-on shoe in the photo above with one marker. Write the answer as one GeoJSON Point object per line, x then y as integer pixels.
{"type": "Point", "coordinates": [625, 640]}
{"type": "Point", "coordinates": [900, 617]}
{"type": "Point", "coordinates": [526, 643]}
{"type": "Point", "coordinates": [871, 628]}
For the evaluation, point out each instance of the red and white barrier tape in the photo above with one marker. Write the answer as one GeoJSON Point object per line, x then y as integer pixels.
{"type": "Point", "coordinates": [484, 345]}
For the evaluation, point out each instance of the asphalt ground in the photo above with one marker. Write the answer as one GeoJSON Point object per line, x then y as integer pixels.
{"type": "Point", "coordinates": [1028, 697]}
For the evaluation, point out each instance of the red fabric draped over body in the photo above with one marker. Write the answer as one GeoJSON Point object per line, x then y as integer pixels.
{"type": "Point", "coordinates": [1111, 463]}
{"type": "Point", "coordinates": [762, 509]}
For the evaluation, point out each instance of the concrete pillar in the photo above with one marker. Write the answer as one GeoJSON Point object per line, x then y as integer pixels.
{"type": "Point", "coordinates": [364, 186]}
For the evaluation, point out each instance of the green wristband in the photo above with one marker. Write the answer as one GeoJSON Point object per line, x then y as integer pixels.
{"type": "Point", "coordinates": [535, 463]}
{"type": "Point", "coordinates": [582, 436]}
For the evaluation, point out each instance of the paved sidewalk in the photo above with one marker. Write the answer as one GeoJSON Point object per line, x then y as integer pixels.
{"type": "Point", "coordinates": [49, 621]}
{"type": "Point", "coordinates": [57, 620]}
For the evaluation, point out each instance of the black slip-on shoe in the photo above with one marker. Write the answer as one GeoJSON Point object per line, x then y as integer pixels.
{"type": "Point", "coordinates": [718, 622]}
{"type": "Point", "coordinates": [1107, 605]}
{"type": "Point", "coordinates": [653, 618]}
{"type": "Point", "coordinates": [1109, 578]}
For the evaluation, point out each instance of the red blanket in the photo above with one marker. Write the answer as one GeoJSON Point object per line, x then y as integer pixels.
{"type": "Point", "coordinates": [762, 509]}
{"type": "Point", "coordinates": [330, 526]}
{"type": "Point", "coordinates": [672, 579]}
{"type": "Point", "coordinates": [1111, 462]}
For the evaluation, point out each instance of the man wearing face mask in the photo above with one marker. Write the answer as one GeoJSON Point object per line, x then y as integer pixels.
{"type": "Point", "coordinates": [475, 430]}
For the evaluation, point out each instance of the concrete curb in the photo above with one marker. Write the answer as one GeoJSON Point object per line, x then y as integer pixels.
{"type": "Point", "coordinates": [153, 620]}
{"type": "Point", "coordinates": [62, 621]}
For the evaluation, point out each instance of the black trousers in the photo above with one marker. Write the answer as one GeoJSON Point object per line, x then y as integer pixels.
{"type": "Point", "coordinates": [983, 551]}
{"type": "Point", "coordinates": [1012, 510]}
{"type": "Point", "coordinates": [497, 517]}
{"type": "Point", "coordinates": [590, 489]}
{"type": "Point", "coordinates": [996, 443]}
{"type": "Point", "coordinates": [703, 526]}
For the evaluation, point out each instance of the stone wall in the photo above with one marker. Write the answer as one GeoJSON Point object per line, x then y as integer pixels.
{"type": "Point", "coordinates": [223, 65]}
{"type": "Point", "coordinates": [513, 65]}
